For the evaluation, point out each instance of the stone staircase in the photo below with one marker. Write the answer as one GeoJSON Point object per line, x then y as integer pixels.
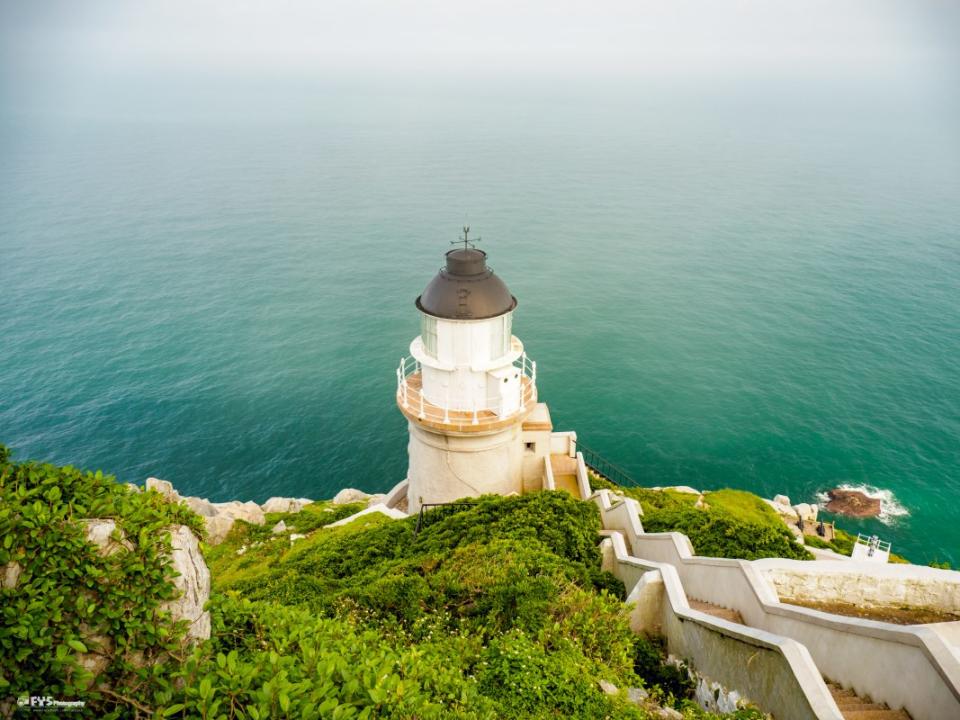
{"type": "Point", "coordinates": [854, 707]}
{"type": "Point", "coordinates": [717, 611]}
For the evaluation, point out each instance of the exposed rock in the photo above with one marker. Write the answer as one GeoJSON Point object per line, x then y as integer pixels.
{"type": "Point", "coordinates": [296, 536]}
{"type": "Point", "coordinates": [608, 687]}
{"type": "Point", "coordinates": [280, 527]}
{"type": "Point", "coordinates": [853, 503]}
{"type": "Point", "coordinates": [100, 533]}
{"type": "Point", "coordinates": [192, 581]}
{"type": "Point", "coordinates": [349, 495]}
{"type": "Point", "coordinates": [133, 488]}
{"type": "Point", "coordinates": [218, 527]}
{"type": "Point", "coordinates": [637, 695]}
{"type": "Point", "coordinates": [11, 575]}
{"type": "Point", "coordinates": [782, 500]}
{"type": "Point", "coordinates": [666, 713]}
{"type": "Point", "coordinates": [377, 498]}
{"type": "Point", "coordinates": [683, 489]}
{"type": "Point", "coordinates": [806, 511]}
{"type": "Point", "coordinates": [164, 487]}
{"type": "Point", "coordinates": [201, 506]}
{"type": "Point", "coordinates": [285, 505]}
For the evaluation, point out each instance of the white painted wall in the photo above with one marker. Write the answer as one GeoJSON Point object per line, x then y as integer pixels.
{"type": "Point", "coordinates": [444, 468]}
{"type": "Point", "coordinates": [467, 372]}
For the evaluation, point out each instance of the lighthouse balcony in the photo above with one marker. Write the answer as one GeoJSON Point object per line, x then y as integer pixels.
{"type": "Point", "coordinates": [488, 415]}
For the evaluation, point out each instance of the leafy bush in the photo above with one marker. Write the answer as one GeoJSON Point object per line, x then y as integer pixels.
{"type": "Point", "coordinates": [718, 534]}
{"type": "Point", "coordinates": [732, 524]}
{"type": "Point", "coordinates": [71, 603]}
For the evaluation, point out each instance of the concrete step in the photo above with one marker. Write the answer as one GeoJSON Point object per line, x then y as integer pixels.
{"type": "Point", "coordinates": [717, 611]}
{"type": "Point", "coordinates": [854, 707]}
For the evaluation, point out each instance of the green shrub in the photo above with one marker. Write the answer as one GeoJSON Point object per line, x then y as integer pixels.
{"type": "Point", "coordinates": [70, 600]}
{"type": "Point", "coordinates": [718, 534]}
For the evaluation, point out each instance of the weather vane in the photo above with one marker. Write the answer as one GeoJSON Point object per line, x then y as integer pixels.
{"type": "Point", "coordinates": [466, 243]}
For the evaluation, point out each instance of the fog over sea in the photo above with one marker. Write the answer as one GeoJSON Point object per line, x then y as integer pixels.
{"type": "Point", "coordinates": [751, 284]}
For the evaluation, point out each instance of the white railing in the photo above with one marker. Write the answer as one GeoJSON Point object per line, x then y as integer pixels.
{"type": "Point", "coordinates": [409, 395]}
{"type": "Point", "coordinates": [873, 543]}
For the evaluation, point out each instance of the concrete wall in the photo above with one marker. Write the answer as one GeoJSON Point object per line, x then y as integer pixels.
{"type": "Point", "coordinates": [890, 585]}
{"type": "Point", "coordinates": [905, 666]}
{"type": "Point", "coordinates": [775, 673]}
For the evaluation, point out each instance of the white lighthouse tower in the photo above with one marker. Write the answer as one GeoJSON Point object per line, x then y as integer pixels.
{"type": "Point", "coordinates": [468, 389]}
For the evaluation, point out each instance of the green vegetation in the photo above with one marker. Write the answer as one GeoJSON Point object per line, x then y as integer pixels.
{"type": "Point", "coordinates": [70, 600]}
{"type": "Point", "coordinates": [731, 523]}
{"type": "Point", "coordinates": [499, 610]}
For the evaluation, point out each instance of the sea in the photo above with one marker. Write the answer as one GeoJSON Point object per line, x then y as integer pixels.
{"type": "Point", "coordinates": [750, 284]}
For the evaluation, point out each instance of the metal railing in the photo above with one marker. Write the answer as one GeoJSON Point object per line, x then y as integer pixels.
{"type": "Point", "coordinates": [423, 516]}
{"type": "Point", "coordinates": [604, 468]}
{"type": "Point", "coordinates": [410, 395]}
{"type": "Point", "coordinates": [873, 542]}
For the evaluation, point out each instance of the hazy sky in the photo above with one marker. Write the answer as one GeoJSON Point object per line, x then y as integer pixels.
{"type": "Point", "coordinates": [77, 45]}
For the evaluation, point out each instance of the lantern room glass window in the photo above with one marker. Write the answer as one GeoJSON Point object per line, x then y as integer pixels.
{"type": "Point", "coordinates": [428, 334]}
{"type": "Point", "coordinates": [500, 333]}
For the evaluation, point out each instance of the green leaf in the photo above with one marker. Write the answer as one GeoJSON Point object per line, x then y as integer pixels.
{"type": "Point", "coordinates": [173, 709]}
{"type": "Point", "coordinates": [77, 645]}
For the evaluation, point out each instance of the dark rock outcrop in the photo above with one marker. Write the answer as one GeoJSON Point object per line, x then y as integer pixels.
{"type": "Point", "coordinates": [853, 503]}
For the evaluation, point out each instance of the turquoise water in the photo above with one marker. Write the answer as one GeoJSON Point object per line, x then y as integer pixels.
{"type": "Point", "coordinates": [742, 288]}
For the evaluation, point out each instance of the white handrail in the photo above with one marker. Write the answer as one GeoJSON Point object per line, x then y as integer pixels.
{"type": "Point", "coordinates": [410, 396]}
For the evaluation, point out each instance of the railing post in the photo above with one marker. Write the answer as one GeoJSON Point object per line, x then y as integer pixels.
{"type": "Point", "coordinates": [534, 376]}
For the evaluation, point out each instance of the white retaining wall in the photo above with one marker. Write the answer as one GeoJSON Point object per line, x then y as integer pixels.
{"type": "Point", "coordinates": [913, 667]}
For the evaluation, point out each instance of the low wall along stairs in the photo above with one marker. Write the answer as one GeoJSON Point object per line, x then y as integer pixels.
{"type": "Point", "coordinates": [726, 618]}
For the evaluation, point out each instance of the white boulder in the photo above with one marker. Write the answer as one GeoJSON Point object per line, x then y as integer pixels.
{"type": "Point", "coordinates": [201, 506]}
{"type": "Point", "coordinates": [280, 527]}
{"type": "Point", "coordinates": [683, 489]}
{"type": "Point", "coordinates": [164, 487]}
{"type": "Point", "coordinates": [350, 495]}
{"type": "Point", "coordinates": [100, 532]}
{"type": "Point", "coordinates": [11, 575]}
{"type": "Point", "coordinates": [285, 505]}
{"type": "Point", "coordinates": [192, 581]}
{"type": "Point", "coordinates": [782, 500]}
{"type": "Point", "coordinates": [806, 511]}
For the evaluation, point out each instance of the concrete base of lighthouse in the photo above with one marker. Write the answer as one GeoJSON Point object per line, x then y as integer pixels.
{"type": "Point", "coordinates": [444, 468]}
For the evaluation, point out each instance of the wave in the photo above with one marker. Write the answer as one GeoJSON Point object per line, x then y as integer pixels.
{"type": "Point", "coordinates": [890, 507]}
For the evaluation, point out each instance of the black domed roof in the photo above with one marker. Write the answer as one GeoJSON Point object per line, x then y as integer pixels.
{"type": "Point", "coordinates": [466, 289]}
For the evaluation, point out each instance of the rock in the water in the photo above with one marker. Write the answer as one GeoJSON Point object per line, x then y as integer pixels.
{"type": "Point", "coordinates": [192, 582]}
{"type": "Point", "coordinates": [782, 500]}
{"type": "Point", "coordinates": [280, 527]}
{"type": "Point", "coordinates": [164, 487]}
{"type": "Point", "coordinates": [350, 495]}
{"type": "Point", "coordinates": [285, 505]}
{"type": "Point", "coordinates": [853, 503]}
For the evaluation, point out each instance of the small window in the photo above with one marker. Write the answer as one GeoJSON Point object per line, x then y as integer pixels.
{"type": "Point", "coordinates": [428, 334]}
{"type": "Point", "coordinates": [531, 447]}
{"type": "Point", "coordinates": [500, 336]}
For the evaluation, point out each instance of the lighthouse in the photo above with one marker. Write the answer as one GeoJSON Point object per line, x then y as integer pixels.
{"type": "Point", "coordinates": [468, 389]}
